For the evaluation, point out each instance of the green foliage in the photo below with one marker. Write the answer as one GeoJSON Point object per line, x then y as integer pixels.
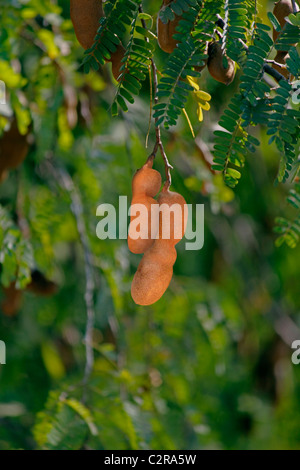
{"type": "Point", "coordinates": [289, 36]}
{"type": "Point", "coordinates": [283, 124]}
{"type": "Point", "coordinates": [196, 26]}
{"type": "Point", "coordinates": [63, 425]}
{"type": "Point", "coordinates": [177, 7]}
{"type": "Point", "coordinates": [289, 230]}
{"type": "Point", "coordinates": [16, 256]}
{"type": "Point", "coordinates": [209, 365]}
{"type": "Point", "coordinates": [242, 112]}
{"type": "Point", "coordinates": [111, 31]}
{"type": "Point", "coordinates": [293, 63]}
{"type": "Point", "coordinates": [135, 68]}
{"type": "Point", "coordinates": [235, 27]}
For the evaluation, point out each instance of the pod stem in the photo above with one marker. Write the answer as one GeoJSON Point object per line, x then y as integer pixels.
{"type": "Point", "coordinates": [149, 161]}
{"type": "Point", "coordinates": [158, 142]}
{"type": "Point", "coordinates": [166, 187]}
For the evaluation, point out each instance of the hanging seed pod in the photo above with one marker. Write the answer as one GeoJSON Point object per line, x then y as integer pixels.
{"type": "Point", "coordinates": [146, 184]}
{"type": "Point", "coordinates": [85, 16]}
{"type": "Point", "coordinates": [165, 31]}
{"type": "Point", "coordinates": [215, 64]}
{"type": "Point", "coordinates": [155, 270]}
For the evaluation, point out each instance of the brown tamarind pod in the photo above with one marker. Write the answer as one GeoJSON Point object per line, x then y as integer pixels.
{"type": "Point", "coordinates": [165, 31]}
{"type": "Point", "coordinates": [281, 58]}
{"type": "Point", "coordinates": [199, 69]}
{"type": "Point", "coordinates": [12, 301]}
{"type": "Point", "coordinates": [85, 16]}
{"type": "Point", "coordinates": [40, 285]}
{"type": "Point", "coordinates": [146, 184]}
{"type": "Point", "coordinates": [216, 67]}
{"type": "Point", "coordinates": [282, 9]}
{"type": "Point", "coordinates": [13, 149]}
{"type": "Point", "coordinates": [155, 270]}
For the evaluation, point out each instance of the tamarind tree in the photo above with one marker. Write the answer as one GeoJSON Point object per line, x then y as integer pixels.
{"type": "Point", "coordinates": [203, 97]}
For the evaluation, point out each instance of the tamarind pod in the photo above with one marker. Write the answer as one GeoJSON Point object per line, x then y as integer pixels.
{"type": "Point", "coordinates": [154, 274]}
{"type": "Point", "coordinates": [281, 58]}
{"type": "Point", "coordinates": [282, 9]}
{"type": "Point", "coordinates": [155, 270]}
{"type": "Point", "coordinates": [216, 67]}
{"type": "Point", "coordinates": [165, 31]}
{"type": "Point", "coordinates": [146, 184]}
{"type": "Point", "coordinates": [85, 16]}
{"type": "Point", "coordinates": [144, 240]}
{"type": "Point", "coordinates": [40, 285]}
{"type": "Point", "coordinates": [178, 220]}
{"type": "Point", "coordinates": [13, 149]}
{"type": "Point", "coordinates": [12, 301]}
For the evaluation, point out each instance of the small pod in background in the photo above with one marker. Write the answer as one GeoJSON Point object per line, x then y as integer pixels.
{"type": "Point", "coordinates": [85, 16]}
{"type": "Point", "coordinates": [215, 64]}
{"type": "Point", "coordinates": [12, 301]}
{"type": "Point", "coordinates": [39, 285]}
{"type": "Point", "coordinates": [282, 9]}
{"type": "Point", "coordinates": [165, 31]}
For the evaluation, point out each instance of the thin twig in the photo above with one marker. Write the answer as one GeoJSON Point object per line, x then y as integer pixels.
{"type": "Point", "coordinates": [204, 153]}
{"type": "Point", "coordinates": [158, 142]}
{"type": "Point", "coordinates": [270, 61]}
{"type": "Point", "coordinates": [67, 183]}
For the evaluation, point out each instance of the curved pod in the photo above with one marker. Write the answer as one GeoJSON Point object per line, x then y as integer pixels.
{"type": "Point", "coordinates": [216, 67]}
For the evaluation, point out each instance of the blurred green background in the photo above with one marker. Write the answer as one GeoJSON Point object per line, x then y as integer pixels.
{"type": "Point", "coordinates": [208, 366]}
